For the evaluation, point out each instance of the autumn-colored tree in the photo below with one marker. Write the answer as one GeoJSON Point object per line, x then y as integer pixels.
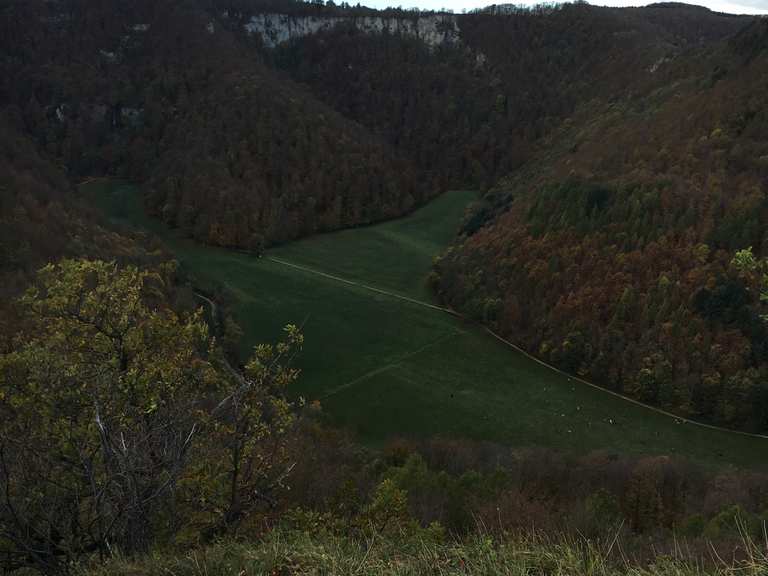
{"type": "Point", "coordinates": [99, 411]}
{"type": "Point", "coordinates": [104, 396]}
{"type": "Point", "coordinates": [246, 461]}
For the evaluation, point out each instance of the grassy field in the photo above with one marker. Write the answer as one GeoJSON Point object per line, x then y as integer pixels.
{"type": "Point", "coordinates": [383, 366]}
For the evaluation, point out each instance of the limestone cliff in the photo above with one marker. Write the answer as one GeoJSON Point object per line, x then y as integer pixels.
{"type": "Point", "coordinates": [433, 29]}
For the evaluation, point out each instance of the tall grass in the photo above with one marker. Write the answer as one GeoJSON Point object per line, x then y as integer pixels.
{"type": "Point", "coordinates": [300, 553]}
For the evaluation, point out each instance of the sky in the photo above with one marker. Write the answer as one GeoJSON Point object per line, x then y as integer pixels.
{"type": "Point", "coordinates": [731, 6]}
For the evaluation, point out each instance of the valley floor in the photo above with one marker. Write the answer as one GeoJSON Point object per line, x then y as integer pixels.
{"type": "Point", "coordinates": [383, 364]}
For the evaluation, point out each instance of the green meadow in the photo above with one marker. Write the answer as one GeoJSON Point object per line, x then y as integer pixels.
{"type": "Point", "coordinates": [384, 366]}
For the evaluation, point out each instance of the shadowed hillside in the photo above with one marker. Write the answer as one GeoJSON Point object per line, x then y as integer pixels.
{"type": "Point", "coordinates": [611, 253]}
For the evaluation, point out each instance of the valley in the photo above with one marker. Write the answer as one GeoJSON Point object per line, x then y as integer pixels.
{"type": "Point", "coordinates": [296, 287]}
{"type": "Point", "coordinates": [384, 366]}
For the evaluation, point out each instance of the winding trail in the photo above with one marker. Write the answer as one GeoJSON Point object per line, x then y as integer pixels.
{"type": "Point", "coordinates": [677, 418]}
{"type": "Point", "coordinates": [361, 285]}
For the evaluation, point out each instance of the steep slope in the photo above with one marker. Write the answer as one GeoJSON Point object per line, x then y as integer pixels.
{"type": "Point", "coordinates": [256, 160]}
{"type": "Point", "coordinates": [378, 111]}
{"type": "Point", "coordinates": [40, 219]}
{"type": "Point", "coordinates": [165, 93]}
{"type": "Point", "coordinates": [609, 253]}
{"type": "Point", "coordinates": [469, 108]}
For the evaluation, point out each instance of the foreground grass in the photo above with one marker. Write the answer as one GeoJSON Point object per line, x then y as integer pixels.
{"type": "Point", "coordinates": [299, 553]}
{"type": "Point", "coordinates": [383, 366]}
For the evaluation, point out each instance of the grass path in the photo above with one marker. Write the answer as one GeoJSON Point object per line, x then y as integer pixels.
{"type": "Point", "coordinates": [361, 285]}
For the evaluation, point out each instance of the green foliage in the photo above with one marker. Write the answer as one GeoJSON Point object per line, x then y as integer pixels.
{"type": "Point", "coordinates": [312, 522]}
{"type": "Point", "coordinates": [245, 462]}
{"type": "Point", "coordinates": [734, 523]}
{"type": "Point", "coordinates": [627, 212]}
{"type": "Point", "coordinates": [578, 204]}
{"type": "Point", "coordinates": [388, 510]}
{"type": "Point", "coordinates": [755, 270]}
{"type": "Point", "coordinates": [744, 260]}
{"type": "Point", "coordinates": [104, 398]}
{"type": "Point", "coordinates": [603, 508]}
{"type": "Point", "coordinates": [99, 402]}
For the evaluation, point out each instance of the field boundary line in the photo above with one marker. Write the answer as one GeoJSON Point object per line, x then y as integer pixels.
{"type": "Point", "coordinates": [393, 364]}
{"type": "Point", "coordinates": [517, 348]}
{"type": "Point", "coordinates": [351, 383]}
{"type": "Point", "coordinates": [361, 285]}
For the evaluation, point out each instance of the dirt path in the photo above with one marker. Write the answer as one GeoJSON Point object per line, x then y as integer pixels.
{"type": "Point", "coordinates": [679, 419]}
{"type": "Point", "coordinates": [361, 285]}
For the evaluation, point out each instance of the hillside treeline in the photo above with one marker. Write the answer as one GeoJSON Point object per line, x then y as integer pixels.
{"type": "Point", "coordinates": [469, 113]}
{"type": "Point", "coordinates": [239, 145]}
{"type": "Point", "coordinates": [612, 253]}
{"type": "Point", "coordinates": [165, 94]}
{"type": "Point", "coordinates": [622, 238]}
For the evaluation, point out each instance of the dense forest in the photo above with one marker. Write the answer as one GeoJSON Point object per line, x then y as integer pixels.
{"type": "Point", "coordinates": [330, 130]}
{"type": "Point", "coordinates": [276, 165]}
{"type": "Point", "coordinates": [469, 113]}
{"type": "Point", "coordinates": [612, 253]}
{"type": "Point", "coordinates": [152, 91]}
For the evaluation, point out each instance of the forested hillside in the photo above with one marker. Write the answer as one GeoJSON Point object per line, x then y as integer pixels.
{"type": "Point", "coordinates": [257, 161]}
{"type": "Point", "coordinates": [162, 93]}
{"type": "Point", "coordinates": [613, 252]}
{"type": "Point", "coordinates": [470, 112]}
{"type": "Point", "coordinates": [335, 129]}
{"type": "Point", "coordinates": [40, 221]}
{"type": "Point", "coordinates": [625, 149]}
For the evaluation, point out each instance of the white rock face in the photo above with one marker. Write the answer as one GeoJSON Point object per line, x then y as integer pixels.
{"type": "Point", "coordinates": [656, 65]}
{"type": "Point", "coordinates": [276, 29]}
